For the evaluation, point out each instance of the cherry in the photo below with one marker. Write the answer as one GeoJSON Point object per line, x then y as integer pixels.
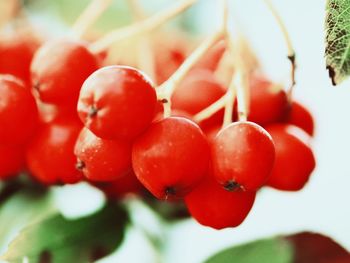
{"type": "Point", "coordinates": [58, 70]}
{"type": "Point", "coordinates": [212, 59]}
{"type": "Point", "coordinates": [171, 157]}
{"type": "Point", "coordinates": [50, 156]}
{"type": "Point", "coordinates": [294, 158]}
{"type": "Point", "coordinates": [102, 160]}
{"type": "Point", "coordinates": [11, 160]}
{"type": "Point", "coordinates": [117, 102]}
{"type": "Point", "coordinates": [268, 102]}
{"type": "Point", "coordinates": [242, 156]}
{"type": "Point", "coordinates": [213, 206]}
{"type": "Point", "coordinates": [198, 91]}
{"type": "Point", "coordinates": [301, 117]}
{"type": "Point", "coordinates": [18, 111]}
{"type": "Point", "coordinates": [16, 53]}
{"type": "Point", "coordinates": [125, 185]}
{"type": "Point", "coordinates": [172, 55]}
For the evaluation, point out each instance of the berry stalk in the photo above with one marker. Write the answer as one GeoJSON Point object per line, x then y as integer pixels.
{"type": "Point", "coordinates": [141, 27]}
{"type": "Point", "coordinates": [291, 52]}
{"type": "Point", "coordinates": [145, 56]}
{"type": "Point", "coordinates": [167, 88]}
{"type": "Point", "coordinates": [91, 13]}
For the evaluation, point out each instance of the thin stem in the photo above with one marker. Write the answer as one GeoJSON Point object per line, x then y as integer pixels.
{"type": "Point", "coordinates": [241, 96]}
{"type": "Point", "coordinates": [230, 95]}
{"type": "Point", "coordinates": [291, 52]}
{"type": "Point", "coordinates": [240, 79]}
{"type": "Point", "coordinates": [167, 88]}
{"type": "Point", "coordinates": [143, 26]}
{"type": "Point", "coordinates": [224, 15]}
{"type": "Point", "coordinates": [210, 110]}
{"type": "Point", "coordinates": [91, 13]}
{"type": "Point", "coordinates": [145, 56]}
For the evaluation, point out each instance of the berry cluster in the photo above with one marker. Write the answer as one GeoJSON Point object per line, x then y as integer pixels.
{"type": "Point", "coordinates": [66, 116]}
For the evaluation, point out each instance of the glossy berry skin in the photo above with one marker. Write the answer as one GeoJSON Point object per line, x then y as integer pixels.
{"type": "Point", "coordinates": [50, 157]}
{"type": "Point", "coordinates": [102, 160]}
{"type": "Point", "coordinates": [16, 53]}
{"type": "Point", "coordinates": [171, 157]}
{"type": "Point", "coordinates": [243, 155]}
{"type": "Point", "coordinates": [119, 188]}
{"type": "Point", "coordinates": [11, 160]}
{"type": "Point", "coordinates": [18, 111]}
{"type": "Point", "coordinates": [213, 206]}
{"type": "Point", "coordinates": [117, 102]}
{"type": "Point", "coordinates": [301, 117]}
{"type": "Point", "coordinates": [268, 102]}
{"type": "Point", "coordinates": [294, 158]}
{"type": "Point", "coordinates": [58, 70]}
{"type": "Point", "coordinates": [198, 91]}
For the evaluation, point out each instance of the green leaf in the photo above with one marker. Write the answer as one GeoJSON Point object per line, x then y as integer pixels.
{"type": "Point", "coordinates": [56, 239]}
{"type": "Point", "coordinates": [21, 204]}
{"type": "Point", "coordinates": [274, 250]}
{"type": "Point", "coordinates": [337, 26]}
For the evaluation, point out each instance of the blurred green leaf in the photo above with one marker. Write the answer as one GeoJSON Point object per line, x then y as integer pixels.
{"type": "Point", "coordinates": [56, 239]}
{"type": "Point", "coordinates": [274, 250]}
{"type": "Point", "coordinates": [337, 28]}
{"type": "Point", "coordinates": [20, 204]}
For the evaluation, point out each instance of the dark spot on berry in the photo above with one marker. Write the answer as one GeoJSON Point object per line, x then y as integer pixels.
{"type": "Point", "coordinates": [232, 186]}
{"type": "Point", "coordinates": [163, 101]}
{"type": "Point", "coordinates": [80, 165]}
{"type": "Point", "coordinates": [36, 86]}
{"type": "Point", "coordinates": [92, 111]}
{"type": "Point", "coordinates": [169, 191]}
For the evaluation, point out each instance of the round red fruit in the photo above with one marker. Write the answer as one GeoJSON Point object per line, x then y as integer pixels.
{"type": "Point", "coordinates": [58, 70]}
{"type": "Point", "coordinates": [171, 157]}
{"type": "Point", "coordinates": [294, 158]}
{"type": "Point", "coordinates": [102, 160]}
{"type": "Point", "coordinates": [50, 157]}
{"type": "Point", "coordinates": [268, 102]}
{"type": "Point", "coordinates": [117, 102]}
{"type": "Point", "coordinates": [301, 117]}
{"type": "Point", "coordinates": [213, 206]}
{"type": "Point", "coordinates": [18, 111]}
{"type": "Point", "coordinates": [16, 53]}
{"type": "Point", "coordinates": [243, 155]}
{"type": "Point", "coordinates": [198, 91]}
{"type": "Point", "coordinates": [11, 160]}
{"type": "Point", "coordinates": [125, 185]}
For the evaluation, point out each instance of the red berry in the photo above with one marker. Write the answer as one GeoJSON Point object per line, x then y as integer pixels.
{"type": "Point", "coordinates": [198, 91]}
{"type": "Point", "coordinates": [125, 185]}
{"type": "Point", "coordinates": [172, 55]}
{"type": "Point", "coordinates": [294, 158]}
{"type": "Point", "coordinates": [16, 52]}
{"type": "Point", "coordinates": [11, 160]}
{"type": "Point", "coordinates": [212, 59]}
{"type": "Point", "coordinates": [117, 102]}
{"type": "Point", "coordinates": [268, 102]}
{"type": "Point", "coordinates": [50, 156]}
{"type": "Point", "coordinates": [102, 160]}
{"type": "Point", "coordinates": [18, 111]}
{"type": "Point", "coordinates": [171, 157]}
{"type": "Point", "coordinates": [301, 117]}
{"type": "Point", "coordinates": [242, 156]}
{"type": "Point", "coordinates": [58, 70]}
{"type": "Point", "coordinates": [213, 206]}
